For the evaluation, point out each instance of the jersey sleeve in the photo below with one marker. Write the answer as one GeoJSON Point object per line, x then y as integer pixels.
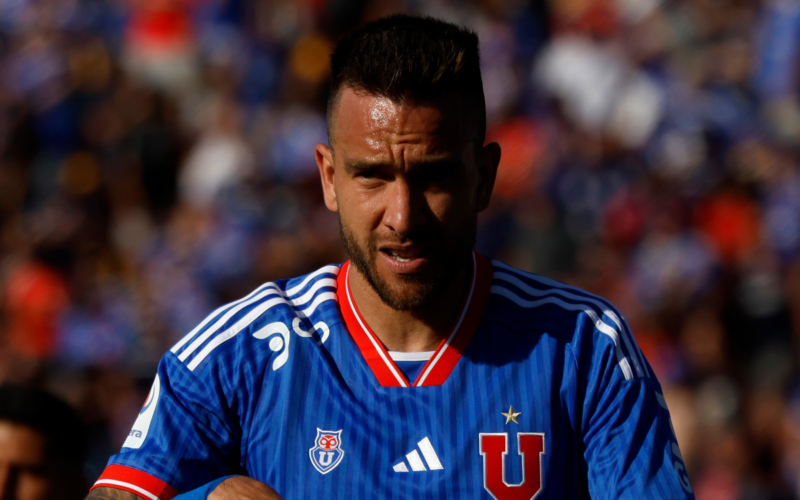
{"type": "Point", "coordinates": [630, 449]}
{"type": "Point", "coordinates": [181, 439]}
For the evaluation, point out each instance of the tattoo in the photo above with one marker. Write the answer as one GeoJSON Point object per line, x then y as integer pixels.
{"type": "Point", "coordinates": [111, 494]}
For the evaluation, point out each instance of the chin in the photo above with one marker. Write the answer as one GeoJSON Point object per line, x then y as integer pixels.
{"type": "Point", "coordinates": [409, 292]}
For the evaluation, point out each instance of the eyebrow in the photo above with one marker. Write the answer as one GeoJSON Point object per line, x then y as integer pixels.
{"type": "Point", "coordinates": [352, 165]}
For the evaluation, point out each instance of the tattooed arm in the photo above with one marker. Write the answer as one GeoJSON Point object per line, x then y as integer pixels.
{"type": "Point", "coordinates": [111, 494]}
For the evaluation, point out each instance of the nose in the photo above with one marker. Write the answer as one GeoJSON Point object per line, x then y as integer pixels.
{"type": "Point", "coordinates": [405, 208]}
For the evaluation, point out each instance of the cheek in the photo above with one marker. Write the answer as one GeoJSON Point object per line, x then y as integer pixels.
{"type": "Point", "coordinates": [449, 208]}
{"type": "Point", "coordinates": [356, 219]}
{"type": "Point", "coordinates": [361, 208]}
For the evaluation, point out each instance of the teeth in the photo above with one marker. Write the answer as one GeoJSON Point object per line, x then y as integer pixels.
{"type": "Point", "coordinates": [398, 258]}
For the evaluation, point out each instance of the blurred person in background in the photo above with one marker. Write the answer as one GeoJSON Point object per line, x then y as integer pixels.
{"type": "Point", "coordinates": [41, 447]}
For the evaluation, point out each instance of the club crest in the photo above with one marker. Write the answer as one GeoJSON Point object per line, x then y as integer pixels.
{"type": "Point", "coordinates": [327, 452]}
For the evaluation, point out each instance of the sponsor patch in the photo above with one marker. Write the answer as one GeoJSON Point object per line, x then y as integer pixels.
{"type": "Point", "coordinates": [138, 433]}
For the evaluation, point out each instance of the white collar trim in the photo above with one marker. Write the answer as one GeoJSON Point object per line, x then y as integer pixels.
{"type": "Point", "coordinates": [411, 356]}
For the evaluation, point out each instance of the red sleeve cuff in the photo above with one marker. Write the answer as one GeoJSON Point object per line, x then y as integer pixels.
{"type": "Point", "coordinates": [135, 481]}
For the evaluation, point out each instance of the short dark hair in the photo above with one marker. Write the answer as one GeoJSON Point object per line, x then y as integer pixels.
{"type": "Point", "coordinates": [411, 58]}
{"type": "Point", "coordinates": [53, 418]}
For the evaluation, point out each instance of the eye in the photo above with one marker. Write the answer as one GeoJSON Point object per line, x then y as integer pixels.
{"type": "Point", "coordinates": [441, 174]}
{"type": "Point", "coordinates": [372, 175]}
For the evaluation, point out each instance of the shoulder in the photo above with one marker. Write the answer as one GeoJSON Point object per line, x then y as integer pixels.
{"type": "Point", "coordinates": [581, 318]}
{"type": "Point", "coordinates": [528, 293]}
{"type": "Point", "coordinates": [260, 325]}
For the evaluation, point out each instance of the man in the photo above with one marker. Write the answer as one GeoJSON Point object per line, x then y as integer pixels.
{"type": "Point", "coordinates": [412, 370]}
{"type": "Point", "coordinates": [41, 447]}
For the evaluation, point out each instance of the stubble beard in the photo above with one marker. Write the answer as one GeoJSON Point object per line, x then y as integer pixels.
{"type": "Point", "coordinates": [416, 291]}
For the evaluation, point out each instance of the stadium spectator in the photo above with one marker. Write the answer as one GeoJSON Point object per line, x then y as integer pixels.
{"type": "Point", "coordinates": [41, 447]}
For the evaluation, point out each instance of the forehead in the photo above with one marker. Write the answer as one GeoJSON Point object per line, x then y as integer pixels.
{"type": "Point", "coordinates": [367, 125]}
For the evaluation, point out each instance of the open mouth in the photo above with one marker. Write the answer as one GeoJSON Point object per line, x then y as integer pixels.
{"type": "Point", "coordinates": [403, 255]}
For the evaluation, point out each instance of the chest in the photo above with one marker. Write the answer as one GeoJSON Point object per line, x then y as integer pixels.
{"type": "Point", "coordinates": [490, 431]}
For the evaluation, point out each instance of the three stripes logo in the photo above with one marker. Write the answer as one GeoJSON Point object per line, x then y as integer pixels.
{"type": "Point", "coordinates": [416, 463]}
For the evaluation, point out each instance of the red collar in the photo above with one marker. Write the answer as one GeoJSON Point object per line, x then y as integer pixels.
{"type": "Point", "coordinates": [445, 358]}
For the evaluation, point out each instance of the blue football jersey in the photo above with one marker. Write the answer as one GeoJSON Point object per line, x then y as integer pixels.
{"type": "Point", "coordinates": [538, 391]}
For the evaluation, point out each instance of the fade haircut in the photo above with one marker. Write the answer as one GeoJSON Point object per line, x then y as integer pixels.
{"type": "Point", "coordinates": [411, 59]}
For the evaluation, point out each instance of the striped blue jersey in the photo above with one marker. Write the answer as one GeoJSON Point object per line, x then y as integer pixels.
{"type": "Point", "coordinates": [538, 391]}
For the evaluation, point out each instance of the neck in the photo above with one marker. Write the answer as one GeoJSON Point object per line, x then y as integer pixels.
{"type": "Point", "coordinates": [416, 330]}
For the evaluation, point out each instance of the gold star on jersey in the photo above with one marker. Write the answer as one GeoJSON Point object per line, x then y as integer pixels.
{"type": "Point", "coordinates": [511, 416]}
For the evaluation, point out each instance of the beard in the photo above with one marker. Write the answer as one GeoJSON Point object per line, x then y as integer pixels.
{"type": "Point", "coordinates": [413, 291]}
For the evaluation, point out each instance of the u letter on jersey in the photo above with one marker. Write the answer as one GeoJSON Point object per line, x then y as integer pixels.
{"type": "Point", "coordinates": [494, 448]}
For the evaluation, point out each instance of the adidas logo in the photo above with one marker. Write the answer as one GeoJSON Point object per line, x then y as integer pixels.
{"type": "Point", "coordinates": [415, 461]}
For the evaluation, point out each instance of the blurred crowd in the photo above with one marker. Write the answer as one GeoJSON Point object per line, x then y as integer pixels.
{"type": "Point", "coordinates": [156, 160]}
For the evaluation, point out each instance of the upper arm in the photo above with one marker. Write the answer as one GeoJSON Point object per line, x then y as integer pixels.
{"type": "Point", "coordinates": [630, 449]}
{"type": "Point", "coordinates": [184, 436]}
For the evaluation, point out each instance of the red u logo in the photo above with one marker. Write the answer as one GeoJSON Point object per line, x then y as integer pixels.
{"type": "Point", "coordinates": [494, 448]}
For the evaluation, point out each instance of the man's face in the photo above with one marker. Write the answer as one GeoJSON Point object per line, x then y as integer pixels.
{"type": "Point", "coordinates": [24, 474]}
{"type": "Point", "coordinates": [408, 184]}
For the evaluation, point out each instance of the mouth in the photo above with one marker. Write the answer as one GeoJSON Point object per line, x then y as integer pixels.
{"type": "Point", "coordinates": [405, 260]}
{"type": "Point", "coordinates": [403, 255]}
{"type": "Point", "coordinates": [399, 257]}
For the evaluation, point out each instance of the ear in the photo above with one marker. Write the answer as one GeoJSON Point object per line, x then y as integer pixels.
{"type": "Point", "coordinates": [324, 157]}
{"type": "Point", "coordinates": [488, 161]}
